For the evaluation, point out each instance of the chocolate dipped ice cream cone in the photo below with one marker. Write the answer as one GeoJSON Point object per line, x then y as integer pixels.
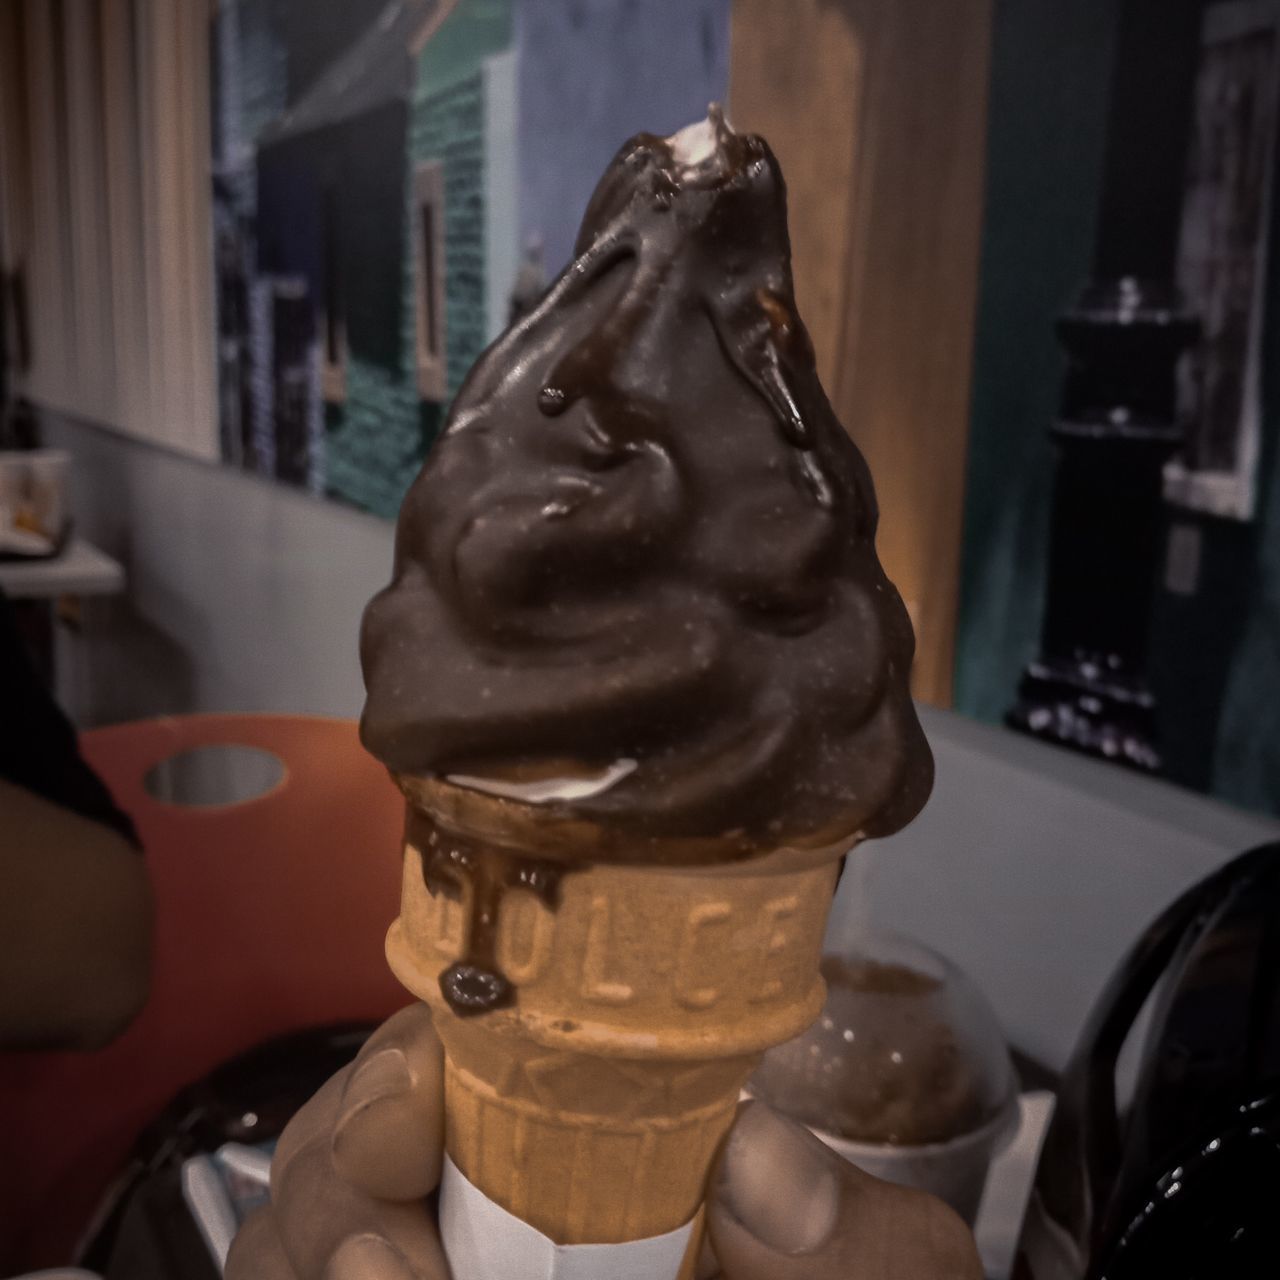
{"type": "Point", "coordinates": [643, 682]}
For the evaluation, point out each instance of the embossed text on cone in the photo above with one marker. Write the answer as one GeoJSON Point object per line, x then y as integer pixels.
{"type": "Point", "coordinates": [593, 1108]}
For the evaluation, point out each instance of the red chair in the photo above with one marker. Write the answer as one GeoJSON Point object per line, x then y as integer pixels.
{"type": "Point", "coordinates": [270, 918]}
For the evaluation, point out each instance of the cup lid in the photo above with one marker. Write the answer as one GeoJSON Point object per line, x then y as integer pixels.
{"type": "Point", "coordinates": [906, 1051]}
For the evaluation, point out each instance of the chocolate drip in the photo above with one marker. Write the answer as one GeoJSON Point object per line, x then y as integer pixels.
{"type": "Point", "coordinates": [643, 536]}
{"type": "Point", "coordinates": [475, 984]}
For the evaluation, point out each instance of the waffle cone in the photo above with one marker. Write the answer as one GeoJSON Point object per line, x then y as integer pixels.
{"type": "Point", "coordinates": [593, 1108]}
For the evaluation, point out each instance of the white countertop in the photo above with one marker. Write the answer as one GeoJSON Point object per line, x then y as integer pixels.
{"type": "Point", "coordinates": [81, 570]}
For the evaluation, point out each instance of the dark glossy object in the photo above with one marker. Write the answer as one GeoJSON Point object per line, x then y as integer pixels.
{"type": "Point", "coordinates": [145, 1231]}
{"type": "Point", "coordinates": [644, 539]}
{"type": "Point", "coordinates": [1118, 422]}
{"type": "Point", "coordinates": [1184, 1185]}
{"type": "Point", "coordinates": [1087, 688]}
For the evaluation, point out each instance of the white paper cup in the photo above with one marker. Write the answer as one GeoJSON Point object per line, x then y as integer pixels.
{"type": "Point", "coordinates": [954, 1171]}
{"type": "Point", "coordinates": [33, 497]}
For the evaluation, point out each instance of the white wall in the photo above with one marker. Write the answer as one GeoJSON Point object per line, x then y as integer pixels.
{"type": "Point", "coordinates": [243, 595]}
{"type": "Point", "coordinates": [1035, 869]}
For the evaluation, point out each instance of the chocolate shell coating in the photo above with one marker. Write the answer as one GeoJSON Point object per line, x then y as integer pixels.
{"type": "Point", "coordinates": [645, 547]}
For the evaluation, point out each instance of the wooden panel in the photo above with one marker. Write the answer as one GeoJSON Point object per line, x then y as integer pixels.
{"type": "Point", "coordinates": [90, 265]}
{"type": "Point", "coordinates": [160, 155]}
{"type": "Point", "coordinates": [797, 78]}
{"type": "Point", "coordinates": [877, 110]}
{"type": "Point", "coordinates": [171, 43]}
{"type": "Point", "coordinates": [129, 264]}
{"type": "Point", "coordinates": [48, 285]}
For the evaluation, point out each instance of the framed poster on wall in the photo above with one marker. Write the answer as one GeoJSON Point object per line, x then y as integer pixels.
{"type": "Point", "coordinates": [393, 180]}
{"type": "Point", "coordinates": [1223, 257]}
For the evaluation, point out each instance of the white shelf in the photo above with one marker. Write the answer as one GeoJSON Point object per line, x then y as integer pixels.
{"type": "Point", "coordinates": [81, 570]}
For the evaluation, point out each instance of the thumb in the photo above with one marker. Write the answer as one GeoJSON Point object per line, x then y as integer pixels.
{"type": "Point", "coordinates": [786, 1207]}
{"type": "Point", "coordinates": [388, 1136]}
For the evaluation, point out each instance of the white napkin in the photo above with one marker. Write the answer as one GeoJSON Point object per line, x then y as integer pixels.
{"type": "Point", "coordinates": [484, 1242]}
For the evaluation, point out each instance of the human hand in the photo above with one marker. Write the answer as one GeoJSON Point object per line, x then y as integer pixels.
{"type": "Point", "coordinates": [350, 1181]}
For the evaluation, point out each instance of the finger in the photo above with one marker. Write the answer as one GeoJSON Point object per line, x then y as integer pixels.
{"type": "Point", "coordinates": [312, 1122]}
{"type": "Point", "coordinates": [256, 1252]}
{"type": "Point", "coordinates": [409, 1030]}
{"type": "Point", "coordinates": [379, 1119]}
{"type": "Point", "coordinates": [367, 1258]}
{"type": "Point", "coordinates": [786, 1207]}
{"type": "Point", "coordinates": [326, 1224]}
{"type": "Point", "coordinates": [708, 1266]}
{"type": "Point", "coordinates": [388, 1136]}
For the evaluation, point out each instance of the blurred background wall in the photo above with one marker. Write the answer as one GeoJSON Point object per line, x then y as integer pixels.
{"type": "Point", "coordinates": [1215, 647]}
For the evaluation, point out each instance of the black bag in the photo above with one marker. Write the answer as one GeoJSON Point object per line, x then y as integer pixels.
{"type": "Point", "coordinates": [1185, 1184]}
{"type": "Point", "coordinates": [146, 1231]}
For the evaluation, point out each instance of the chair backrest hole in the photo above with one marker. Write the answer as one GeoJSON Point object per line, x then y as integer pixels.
{"type": "Point", "coordinates": [215, 776]}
